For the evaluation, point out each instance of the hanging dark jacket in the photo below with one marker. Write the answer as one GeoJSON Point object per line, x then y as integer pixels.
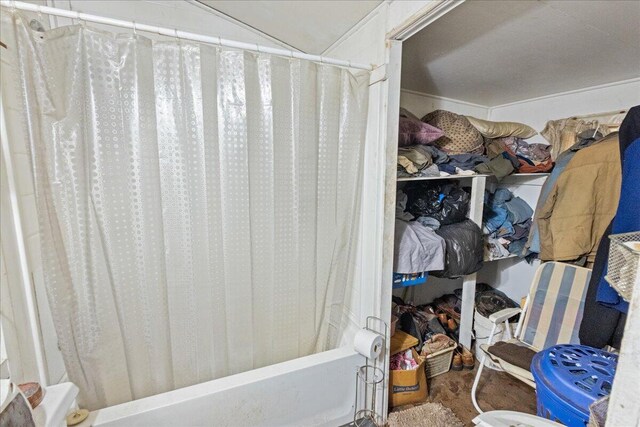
{"type": "Point", "coordinates": [601, 324]}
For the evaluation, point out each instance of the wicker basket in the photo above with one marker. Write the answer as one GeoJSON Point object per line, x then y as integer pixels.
{"type": "Point", "coordinates": [439, 362]}
{"type": "Point", "coordinates": [624, 256]}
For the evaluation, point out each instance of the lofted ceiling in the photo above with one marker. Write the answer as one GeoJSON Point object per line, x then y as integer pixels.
{"type": "Point", "coordinates": [495, 52]}
{"type": "Point", "coordinates": [309, 26]}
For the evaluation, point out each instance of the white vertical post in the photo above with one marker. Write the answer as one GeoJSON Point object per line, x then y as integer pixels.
{"type": "Point", "coordinates": [478, 185]}
{"type": "Point", "coordinates": [390, 152]}
{"type": "Point", "coordinates": [624, 405]}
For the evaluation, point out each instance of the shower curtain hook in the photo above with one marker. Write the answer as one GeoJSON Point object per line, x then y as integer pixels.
{"type": "Point", "coordinates": [81, 19]}
{"type": "Point", "coordinates": [219, 42]}
{"type": "Point", "coordinates": [175, 35]}
{"type": "Point", "coordinates": [135, 29]}
{"type": "Point", "coordinates": [40, 15]}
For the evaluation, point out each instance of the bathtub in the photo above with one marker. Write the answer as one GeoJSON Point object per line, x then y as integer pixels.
{"type": "Point", "coordinates": [316, 390]}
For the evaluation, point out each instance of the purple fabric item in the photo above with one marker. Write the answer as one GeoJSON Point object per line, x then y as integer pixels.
{"type": "Point", "coordinates": [413, 132]}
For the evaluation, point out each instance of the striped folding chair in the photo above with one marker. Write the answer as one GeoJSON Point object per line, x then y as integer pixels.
{"type": "Point", "coordinates": [551, 315]}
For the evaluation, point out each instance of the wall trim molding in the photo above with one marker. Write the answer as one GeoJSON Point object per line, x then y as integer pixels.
{"type": "Point", "coordinates": [422, 18]}
{"type": "Point", "coordinates": [444, 98]}
{"type": "Point", "coordinates": [569, 92]}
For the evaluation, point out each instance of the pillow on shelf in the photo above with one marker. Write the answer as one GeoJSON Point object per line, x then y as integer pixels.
{"type": "Point", "coordinates": [459, 134]}
{"type": "Point", "coordinates": [412, 131]}
{"type": "Point", "coordinates": [491, 129]}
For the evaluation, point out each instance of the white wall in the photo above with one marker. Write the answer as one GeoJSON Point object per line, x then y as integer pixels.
{"type": "Point", "coordinates": [179, 14]}
{"type": "Point", "coordinates": [366, 43]}
{"type": "Point", "coordinates": [599, 99]}
{"type": "Point", "coordinates": [421, 104]}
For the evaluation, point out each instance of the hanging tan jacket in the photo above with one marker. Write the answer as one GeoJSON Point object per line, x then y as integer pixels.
{"type": "Point", "coordinates": [582, 203]}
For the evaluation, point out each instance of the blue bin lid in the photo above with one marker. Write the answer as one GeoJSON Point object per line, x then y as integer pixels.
{"type": "Point", "coordinates": [577, 374]}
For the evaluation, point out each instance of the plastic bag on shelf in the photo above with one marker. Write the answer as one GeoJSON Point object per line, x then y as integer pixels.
{"type": "Point", "coordinates": [446, 202]}
{"type": "Point", "coordinates": [464, 252]}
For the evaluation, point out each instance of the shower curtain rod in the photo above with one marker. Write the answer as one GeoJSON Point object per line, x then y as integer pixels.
{"type": "Point", "coordinates": [173, 32]}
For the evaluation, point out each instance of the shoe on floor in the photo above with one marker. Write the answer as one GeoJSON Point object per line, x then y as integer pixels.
{"type": "Point", "coordinates": [468, 361]}
{"type": "Point", "coordinates": [456, 364]}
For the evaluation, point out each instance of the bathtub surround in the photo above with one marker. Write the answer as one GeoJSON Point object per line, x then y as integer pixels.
{"type": "Point", "coordinates": [198, 205]}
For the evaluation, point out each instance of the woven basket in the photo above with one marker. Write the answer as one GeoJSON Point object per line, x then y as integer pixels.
{"type": "Point", "coordinates": [439, 362]}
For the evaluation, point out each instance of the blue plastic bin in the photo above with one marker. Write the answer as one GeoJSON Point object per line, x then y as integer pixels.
{"type": "Point", "coordinates": [405, 280]}
{"type": "Point", "coordinates": [569, 378]}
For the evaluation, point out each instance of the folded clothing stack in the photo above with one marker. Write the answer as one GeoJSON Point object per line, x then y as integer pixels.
{"type": "Point", "coordinates": [433, 233]}
{"type": "Point", "coordinates": [416, 154]}
{"type": "Point", "coordinates": [417, 248]}
{"type": "Point", "coordinates": [506, 223]}
{"type": "Point", "coordinates": [443, 143]}
{"type": "Point", "coordinates": [508, 151]}
{"type": "Point", "coordinates": [524, 157]}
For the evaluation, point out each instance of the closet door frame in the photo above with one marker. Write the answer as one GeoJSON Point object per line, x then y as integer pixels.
{"type": "Point", "coordinates": [394, 40]}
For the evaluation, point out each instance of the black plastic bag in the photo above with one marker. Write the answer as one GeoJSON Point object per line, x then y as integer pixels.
{"type": "Point", "coordinates": [447, 203]}
{"type": "Point", "coordinates": [464, 253]}
{"type": "Point", "coordinates": [493, 301]}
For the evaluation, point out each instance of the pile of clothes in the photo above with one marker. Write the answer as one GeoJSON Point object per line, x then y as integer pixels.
{"type": "Point", "coordinates": [432, 231]}
{"type": "Point", "coordinates": [506, 222]}
{"type": "Point", "coordinates": [511, 154]}
{"type": "Point", "coordinates": [443, 143]}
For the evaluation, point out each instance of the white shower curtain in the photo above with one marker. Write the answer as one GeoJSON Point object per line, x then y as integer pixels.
{"type": "Point", "coordinates": [198, 206]}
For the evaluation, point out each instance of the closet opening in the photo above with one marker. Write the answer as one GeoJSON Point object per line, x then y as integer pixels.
{"type": "Point", "coordinates": [499, 111]}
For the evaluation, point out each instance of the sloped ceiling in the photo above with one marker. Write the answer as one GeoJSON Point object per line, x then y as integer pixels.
{"type": "Point", "coordinates": [496, 52]}
{"type": "Point", "coordinates": [309, 26]}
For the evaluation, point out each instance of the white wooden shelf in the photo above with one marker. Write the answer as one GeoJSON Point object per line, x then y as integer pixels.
{"type": "Point", "coordinates": [501, 258]}
{"type": "Point", "coordinates": [512, 176]}
{"type": "Point", "coordinates": [479, 183]}
{"type": "Point", "coordinates": [433, 178]}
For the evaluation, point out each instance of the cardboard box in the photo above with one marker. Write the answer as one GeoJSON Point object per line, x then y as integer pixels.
{"type": "Point", "coordinates": [408, 386]}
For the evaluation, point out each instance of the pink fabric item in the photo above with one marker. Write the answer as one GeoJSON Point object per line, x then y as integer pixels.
{"type": "Point", "coordinates": [402, 361]}
{"type": "Point", "coordinates": [412, 132]}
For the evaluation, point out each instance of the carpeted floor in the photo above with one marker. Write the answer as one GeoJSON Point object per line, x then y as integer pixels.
{"type": "Point", "coordinates": [496, 390]}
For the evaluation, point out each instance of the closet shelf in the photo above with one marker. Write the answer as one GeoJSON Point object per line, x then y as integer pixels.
{"type": "Point", "coordinates": [501, 258]}
{"type": "Point", "coordinates": [430, 178]}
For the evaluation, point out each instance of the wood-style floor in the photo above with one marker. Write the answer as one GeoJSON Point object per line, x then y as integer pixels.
{"type": "Point", "coordinates": [496, 390]}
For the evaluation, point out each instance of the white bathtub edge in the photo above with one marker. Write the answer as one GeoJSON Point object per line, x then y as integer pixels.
{"type": "Point", "coordinates": [113, 414]}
